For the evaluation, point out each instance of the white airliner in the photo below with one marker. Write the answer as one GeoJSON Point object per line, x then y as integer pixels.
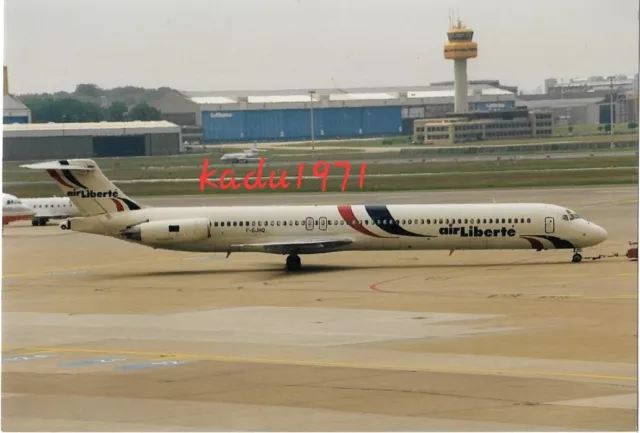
{"type": "Point", "coordinates": [246, 156]}
{"type": "Point", "coordinates": [48, 208]}
{"type": "Point", "coordinates": [13, 209]}
{"type": "Point", "coordinates": [295, 230]}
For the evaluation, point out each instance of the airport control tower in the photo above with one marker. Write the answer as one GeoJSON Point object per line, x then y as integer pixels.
{"type": "Point", "coordinates": [460, 48]}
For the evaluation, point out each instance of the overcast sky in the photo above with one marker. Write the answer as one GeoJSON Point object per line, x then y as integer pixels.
{"type": "Point", "coordinates": [53, 45]}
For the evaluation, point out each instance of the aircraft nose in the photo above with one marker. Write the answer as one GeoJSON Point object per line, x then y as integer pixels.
{"type": "Point", "coordinates": [600, 234]}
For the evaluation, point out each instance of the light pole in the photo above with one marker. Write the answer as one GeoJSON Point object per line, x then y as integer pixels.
{"type": "Point", "coordinates": [311, 93]}
{"type": "Point", "coordinates": [611, 113]}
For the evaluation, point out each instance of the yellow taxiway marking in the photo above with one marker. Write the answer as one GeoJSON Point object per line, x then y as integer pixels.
{"type": "Point", "coordinates": [357, 365]}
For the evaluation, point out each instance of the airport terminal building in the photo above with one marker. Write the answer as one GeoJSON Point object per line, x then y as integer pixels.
{"type": "Point", "coordinates": [484, 126]}
{"type": "Point", "coordinates": [89, 140]}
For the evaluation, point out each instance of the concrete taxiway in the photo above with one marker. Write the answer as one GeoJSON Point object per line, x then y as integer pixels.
{"type": "Point", "coordinates": [103, 335]}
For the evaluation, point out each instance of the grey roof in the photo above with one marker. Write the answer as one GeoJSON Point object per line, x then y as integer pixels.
{"type": "Point", "coordinates": [355, 95]}
{"type": "Point", "coordinates": [558, 103]}
{"type": "Point", "coordinates": [89, 129]}
{"type": "Point", "coordinates": [351, 90]}
{"type": "Point", "coordinates": [10, 102]}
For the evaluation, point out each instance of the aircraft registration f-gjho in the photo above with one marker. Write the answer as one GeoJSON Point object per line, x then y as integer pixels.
{"type": "Point", "coordinates": [313, 229]}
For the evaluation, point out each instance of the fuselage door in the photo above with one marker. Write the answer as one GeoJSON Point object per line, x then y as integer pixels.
{"type": "Point", "coordinates": [323, 223]}
{"type": "Point", "coordinates": [549, 225]}
{"type": "Point", "coordinates": [309, 223]}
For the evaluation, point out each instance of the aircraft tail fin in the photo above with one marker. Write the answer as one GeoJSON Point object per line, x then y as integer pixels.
{"type": "Point", "coordinates": [88, 188]}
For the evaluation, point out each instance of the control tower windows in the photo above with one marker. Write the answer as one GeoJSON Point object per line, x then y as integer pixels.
{"type": "Point", "coordinates": [460, 36]}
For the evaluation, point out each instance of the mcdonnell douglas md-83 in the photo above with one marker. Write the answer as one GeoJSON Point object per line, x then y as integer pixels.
{"type": "Point", "coordinates": [296, 230]}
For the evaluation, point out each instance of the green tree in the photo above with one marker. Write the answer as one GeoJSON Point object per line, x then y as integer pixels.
{"type": "Point", "coordinates": [144, 112]}
{"type": "Point", "coordinates": [632, 125]}
{"type": "Point", "coordinates": [63, 110]}
{"type": "Point", "coordinates": [88, 90]}
{"type": "Point", "coordinates": [606, 127]}
{"type": "Point", "coordinates": [117, 112]}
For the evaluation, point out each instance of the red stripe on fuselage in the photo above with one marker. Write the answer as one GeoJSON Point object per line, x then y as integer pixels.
{"type": "Point", "coordinates": [9, 219]}
{"type": "Point", "coordinates": [54, 174]}
{"type": "Point", "coordinates": [346, 212]}
{"type": "Point", "coordinates": [119, 206]}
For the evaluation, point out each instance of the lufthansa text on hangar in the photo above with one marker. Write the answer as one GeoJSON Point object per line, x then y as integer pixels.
{"type": "Point", "coordinates": [90, 140]}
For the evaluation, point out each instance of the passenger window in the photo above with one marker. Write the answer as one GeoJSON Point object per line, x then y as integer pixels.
{"type": "Point", "coordinates": [342, 222]}
{"type": "Point", "coordinates": [502, 220]}
{"type": "Point", "coordinates": [290, 223]}
{"type": "Point", "coordinates": [278, 223]}
{"type": "Point", "coordinates": [235, 223]}
{"type": "Point", "coordinates": [421, 221]}
{"type": "Point", "coordinates": [215, 224]}
{"type": "Point", "coordinates": [253, 223]}
{"type": "Point", "coordinates": [509, 220]}
{"type": "Point", "coordinates": [408, 221]}
{"type": "Point", "coordinates": [328, 222]}
{"type": "Point", "coordinates": [472, 220]}
{"type": "Point", "coordinates": [440, 221]}
{"type": "Point", "coordinates": [528, 220]}
{"type": "Point", "coordinates": [296, 222]}
{"type": "Point", "coordinates": [271, 223]}
{"type": "Point", "coordinates": [366, 222]}
{"type": "Point", "coordinates": [466, 221]}
{"type": "Point", "coordinates": [240, 223]}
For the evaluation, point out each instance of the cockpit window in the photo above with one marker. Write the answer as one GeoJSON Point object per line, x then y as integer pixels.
{"type": "Point", "coordinates": [572, 215]}
{"type": "Point", "coordinates": [564, 217]}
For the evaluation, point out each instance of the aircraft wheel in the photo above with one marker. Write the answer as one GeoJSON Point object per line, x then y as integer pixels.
{"type": "Point", "coordinates": [35, 223]}
{"type": "Point", "coordinates": [64, 227]}
{"type": "Point", "coordinates": [576, 258]}
{"type": "Point", "coordinates": [293, 263]}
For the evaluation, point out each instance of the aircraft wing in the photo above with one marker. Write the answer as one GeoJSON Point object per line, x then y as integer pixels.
{"type": "Point", "coordinates": [303, 246]}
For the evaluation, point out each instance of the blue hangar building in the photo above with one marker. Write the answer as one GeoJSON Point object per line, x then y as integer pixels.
{"type": "Point", "coordinates": [235, 117]}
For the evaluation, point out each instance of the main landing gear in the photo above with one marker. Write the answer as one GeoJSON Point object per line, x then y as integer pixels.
{"type": "Point", "coordinates": [577, 257]}
{"type": "Point", "coordinates": [39, 222]}
{"type": "Point", "coordinates": [293, 263]}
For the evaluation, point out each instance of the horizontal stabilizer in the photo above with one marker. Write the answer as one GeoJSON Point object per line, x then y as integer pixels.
{"type": "Point", "coordinates": [58, 165]}
{"type": "Point", "coordinates": [307, 246]}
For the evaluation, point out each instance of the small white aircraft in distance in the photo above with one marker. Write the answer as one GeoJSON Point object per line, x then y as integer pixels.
{"type": "Point", "coordinates": [13, 209]}
{"type": "Point", "coordinates": [51, 208]}
{"type": "Point", "coordinates": [308, 229]}
{"type": "Point", "coordinates": [40, 210]}
{"type": "Point", "coordinates": [246, 156]}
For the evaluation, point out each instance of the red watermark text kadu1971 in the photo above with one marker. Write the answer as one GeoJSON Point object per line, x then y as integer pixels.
{"type": "Point", "coordinates": [254, 179]}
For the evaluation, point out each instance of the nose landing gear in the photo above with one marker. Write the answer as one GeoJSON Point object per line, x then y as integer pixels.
{"type": "Point", "coordinates": [577, 257]}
